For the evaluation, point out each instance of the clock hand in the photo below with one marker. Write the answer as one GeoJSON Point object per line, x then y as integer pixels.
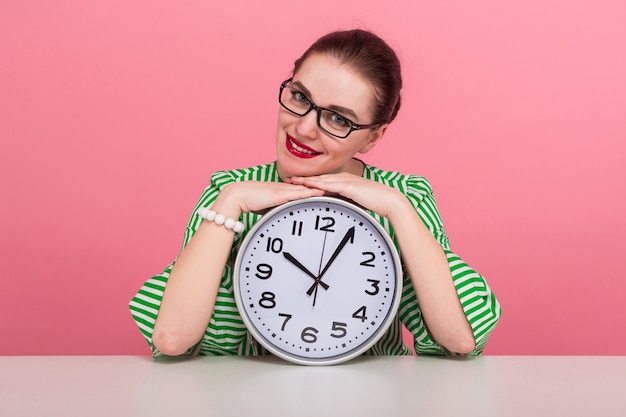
{"type": "Point", "coordinates": [320, 267]}
{"type": "Point", "coordinates": [297, 263]}
{"type": "Point", "coordinates": [349, 236]}
{"type": "Point", "coordinates": [315, 295]}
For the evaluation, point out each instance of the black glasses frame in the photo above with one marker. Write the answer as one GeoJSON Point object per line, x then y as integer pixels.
{"type": "Point", "coordinates": [318, 109]}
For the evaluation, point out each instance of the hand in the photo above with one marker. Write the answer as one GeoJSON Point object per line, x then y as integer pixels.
{"type": "Point", "coordinates": [297, 263]}
{"type": "Point", "coordinates": [372, 195]}
{"type": "Point", "coordinates": [257, 196]}
{"type": "Point", "coordinates": [349, 236]}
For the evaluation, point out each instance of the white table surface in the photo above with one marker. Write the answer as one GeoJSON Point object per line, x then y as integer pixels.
{"type": "Point", "coordinates": [121, 386]}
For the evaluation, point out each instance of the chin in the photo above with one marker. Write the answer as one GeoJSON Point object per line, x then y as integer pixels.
{"type": "Point", "coordinates": [290, 166]}
{"type": "Point", "coordinates": [289, 170]}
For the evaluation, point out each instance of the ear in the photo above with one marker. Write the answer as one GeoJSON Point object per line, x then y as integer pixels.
{"type": "Point", "coordinates": [376, 136]}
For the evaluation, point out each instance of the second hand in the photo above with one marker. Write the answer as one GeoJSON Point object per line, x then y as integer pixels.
{"type": "Point", "coordinates": [319, 270]}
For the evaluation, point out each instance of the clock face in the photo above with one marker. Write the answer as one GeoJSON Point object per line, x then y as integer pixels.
{"type": "Point", "coordinates": [317, 281]}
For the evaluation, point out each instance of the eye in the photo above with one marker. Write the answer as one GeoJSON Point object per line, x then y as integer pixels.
{"type": "Point", "coordinates": [300, 97]}
{"type": "Point", "coordinates": [337, 120]}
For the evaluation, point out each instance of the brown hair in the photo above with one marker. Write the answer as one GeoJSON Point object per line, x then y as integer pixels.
{"type": "Point", "coordinates": [369, 55]}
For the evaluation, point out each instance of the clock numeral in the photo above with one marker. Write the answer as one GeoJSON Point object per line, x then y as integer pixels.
{"type": "Point", "coordinates": [287, 318]}
{"type": "Point", "coordinates": [268, 300]}
{"type": "Point", "coordinates": [264, 271]}
{"type": "Point", "coordinates": [360, 314]}
{"type": "Point", "coordinates": [370, 260]}
{"type": "Point", "coordinates": [330, 222]}
{"type": "Point", "coordinates": [374, 285]}
{"type": "Point", "coordinates": [274, 245]}
{"type": "Point", "coordinates": [296, 229]}
{"type": "Point", "coordinates": [309, 335]}
{"type": "Point", "coordinates": [340, 328]}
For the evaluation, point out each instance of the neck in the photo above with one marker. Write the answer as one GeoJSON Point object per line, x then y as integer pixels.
{"type": "Point", "coordinates": [356, 167]}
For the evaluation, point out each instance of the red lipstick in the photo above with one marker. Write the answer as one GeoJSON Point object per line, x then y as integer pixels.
{"type": "Point", "coordinates": [298, 149]}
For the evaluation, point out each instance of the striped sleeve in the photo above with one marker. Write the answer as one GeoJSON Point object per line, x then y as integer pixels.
{"type": "Point", "coordinates": [144, 306]}
{"type": "Point", "coordinates": [478, 301]}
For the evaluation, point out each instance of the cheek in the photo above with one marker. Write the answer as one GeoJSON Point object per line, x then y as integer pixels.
{"type": "Point", "coordinates": [283, 119]}
{"type": "Point", "coordinates": [341, 151]}
{"type": "Point", "coordinates": [354, 144]}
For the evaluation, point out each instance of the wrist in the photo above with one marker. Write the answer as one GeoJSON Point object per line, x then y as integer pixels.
{"type": "Point", "coordinates": [399, 208]}
{"type": "Point", "coordinates": [221, 220]}
{"type": "Point", "coordinates": [226, 204]}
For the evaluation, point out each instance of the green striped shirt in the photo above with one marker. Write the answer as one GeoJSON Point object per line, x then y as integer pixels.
{"type": "Point", "coordinates": [226, 333]}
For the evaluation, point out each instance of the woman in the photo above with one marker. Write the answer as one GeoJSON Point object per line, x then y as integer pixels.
{"type": "Point", "coordinates": [344, 92]}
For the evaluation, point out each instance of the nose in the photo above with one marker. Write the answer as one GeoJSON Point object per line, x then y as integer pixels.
{"type": "Point", "coordinates": [307, 125]}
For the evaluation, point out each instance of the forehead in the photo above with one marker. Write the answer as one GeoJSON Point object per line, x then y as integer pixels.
{"type": "Point", "coordinates": [330, 83]}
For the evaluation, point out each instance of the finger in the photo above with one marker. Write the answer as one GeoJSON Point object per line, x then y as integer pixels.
{"type": "Point", "coordinates": [294, 180]}
{"type": "Point", "coordinates": [298, 192]}
{"type": "Point", "coordinates": [328, 185]}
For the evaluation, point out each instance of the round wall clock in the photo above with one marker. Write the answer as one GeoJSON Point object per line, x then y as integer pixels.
{"type": "Point", "coordinates": [317, 281]}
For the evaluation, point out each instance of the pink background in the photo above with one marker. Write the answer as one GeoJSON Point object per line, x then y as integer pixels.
{"type": "Point", "coordinates": [113, 115]}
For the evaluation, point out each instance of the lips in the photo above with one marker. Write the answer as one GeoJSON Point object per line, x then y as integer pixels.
{"type": "Point", "coordinates": [298, 149]}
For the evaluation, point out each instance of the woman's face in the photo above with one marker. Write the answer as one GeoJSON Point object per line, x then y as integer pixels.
{"type": "Point", "coordinates": [303, 148]}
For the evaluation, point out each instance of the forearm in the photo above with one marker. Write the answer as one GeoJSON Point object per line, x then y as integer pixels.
{"type": "Point", "coordinates": [191, 291]}
{"type": "Point", "coordinates": [430, 275]}
{"type": "Point", "coordinates": [189, 297]}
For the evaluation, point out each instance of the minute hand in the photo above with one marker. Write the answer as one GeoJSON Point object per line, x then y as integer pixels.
{"type": "Point", "coordinates": [349, 236]}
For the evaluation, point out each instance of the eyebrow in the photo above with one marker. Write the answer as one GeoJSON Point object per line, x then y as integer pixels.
{"type": "Point", "coordinates": [333, 107]}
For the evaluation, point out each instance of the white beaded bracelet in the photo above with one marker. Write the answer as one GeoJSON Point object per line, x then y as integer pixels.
{"type": "Point", "coordinates": [220, 219]}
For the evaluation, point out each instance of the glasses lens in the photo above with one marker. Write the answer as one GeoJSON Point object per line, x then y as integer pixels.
{"type": "Point", "coordinates": [334, 123]}
{"type": "Point", "coordinates": [330, 121]}
{"type": "Point", "coordinates": [294, 100]}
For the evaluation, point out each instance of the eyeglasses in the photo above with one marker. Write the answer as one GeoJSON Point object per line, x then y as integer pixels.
{"type": "Point", "coordinates": [328, 120]}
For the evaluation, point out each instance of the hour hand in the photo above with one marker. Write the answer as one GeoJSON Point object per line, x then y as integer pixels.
{"type": "Point", "coordinates": [303, 268]}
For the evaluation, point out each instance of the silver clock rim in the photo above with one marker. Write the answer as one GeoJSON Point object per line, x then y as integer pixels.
{"type": "Point", "coordinates": [336, 359]}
